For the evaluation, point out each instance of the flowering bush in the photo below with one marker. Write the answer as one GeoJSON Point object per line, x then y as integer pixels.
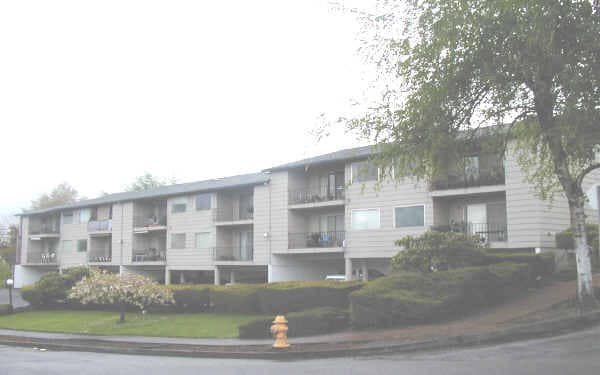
{"type": "Point", "coordinates": [121, 290]}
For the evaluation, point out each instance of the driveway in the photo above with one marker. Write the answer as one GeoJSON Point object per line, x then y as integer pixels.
{"type": "Point", "coordinates": [17, 300]}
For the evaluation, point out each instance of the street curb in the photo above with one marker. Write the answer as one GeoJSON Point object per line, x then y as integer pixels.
{"type": "Point", "coordinates": [312, 350]}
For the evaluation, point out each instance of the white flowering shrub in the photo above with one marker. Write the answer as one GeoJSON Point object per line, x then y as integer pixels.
{"type": "Point", "coordinates": [104, 288]}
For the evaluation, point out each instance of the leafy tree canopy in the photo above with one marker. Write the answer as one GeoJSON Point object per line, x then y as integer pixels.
{"type": "Point", "coordinates": [148, 181]}
{"type": "Point", "coordinates": [60, 195]}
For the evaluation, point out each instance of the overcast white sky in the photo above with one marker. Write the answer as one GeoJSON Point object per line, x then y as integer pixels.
{"type": "Point", "coordinates": [97, 92]}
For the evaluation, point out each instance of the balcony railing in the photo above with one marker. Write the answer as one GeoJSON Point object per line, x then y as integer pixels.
{"type": "Point", "coordinates": [148, 255]}
{"type": "Point", "coordinates": [150, 221]}
{"type": "Point", "coordinates": [487, 232]}
{"type": "Point", "coordinates": [491, 175]}
{"type": "Point", "coordinates": [233, 254]}
{"type": "Point", "coordinates": [323, 193]}
{"type": "Point", "coordinates": [45, 229]}
{"type": "Point", "coordinates": [316, 239]}
{"type": "Point", "coordinates": [43, 258]}
{"type": "Point", "coordinates": [100, 225]}
{"type": "Point", "coordinates": [100, 258]}
{"type": "Point", "coordinates": [233, 214]}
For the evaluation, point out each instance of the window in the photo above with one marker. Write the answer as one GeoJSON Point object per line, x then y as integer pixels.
{"type": "Point", "coordinates": [178, 241]}
{"type": "Point", "coordinates": [413, 216]}
{"type": "Point", "coordinates": [365, 219]}
{"type": "Point", "coordinates": [202, 240]}
{"type": "Point", "coordinates": [202, 202]}
{"type": "Point", "coordinates": [81, 246]}
{"type": "Point", "coordinates": [178, 208]}
{"type": "Point", "coordinates": [472, 168]}
{"type": "Point", "coordinates": [364, 171]}
{"type": "Point", "coordinates": [68, 218]}
{"type": "Point", "coordinates": [84, 215]}
{"type": "Point", "coordinates": [67, 246]}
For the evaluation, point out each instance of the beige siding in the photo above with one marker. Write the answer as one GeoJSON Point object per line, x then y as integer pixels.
{"type": "Point", "coordinates": [190, 223]}
{"type": "Point", "coordinates": [24, 239]}
{"type": "Point", "coordinates": [73, 232]}
{"type": "Point", "coordinates": [122, 233]}
{"type": "Point", "coordinates": [262, 223]}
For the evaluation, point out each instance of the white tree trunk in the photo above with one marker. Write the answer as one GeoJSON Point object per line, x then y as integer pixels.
{"type": "Point", "coordinates": [585, 286]}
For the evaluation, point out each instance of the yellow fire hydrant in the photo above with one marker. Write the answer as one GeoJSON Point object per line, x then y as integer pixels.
{"type": "Point", "coordinates": [279, 329]}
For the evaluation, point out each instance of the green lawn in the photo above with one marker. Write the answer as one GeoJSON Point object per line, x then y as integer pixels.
{"type": "Point", "coordinates": [105, 323]}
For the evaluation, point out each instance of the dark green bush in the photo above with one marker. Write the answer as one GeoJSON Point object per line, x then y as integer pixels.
{"type": "Point", "coordinates": [438, 251]}
{"type": "Point", "coordinates": [237, 298]}
{"type": "Point", "coordinates": [191, 298]}
{"type": "Point", "coordinates": [5, 309]}
{"type": "Point", "coordinates": [406, 297]}
{"type": "Point", "coordinates": [564, 240]}
{"type": "Point", "coordinates": [302, 323]}
{"type": "Point", "coordinates": [281, 298]}
{"type": "Point", "coordinates": [51, 289]}
{"type": "Point", "coordinates": [541, 265]}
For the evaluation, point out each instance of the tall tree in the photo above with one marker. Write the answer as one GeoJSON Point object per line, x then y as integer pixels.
{"type": "Point", "coordinates": [62, 194]}
{"type": "Point", "coordinates": [148, 181]}
{"type": "Point", "coordinates": [453, 67]}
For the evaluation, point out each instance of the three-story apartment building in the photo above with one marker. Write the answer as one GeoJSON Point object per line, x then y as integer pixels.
{"type": "Point", "coordinates": [334, 214]}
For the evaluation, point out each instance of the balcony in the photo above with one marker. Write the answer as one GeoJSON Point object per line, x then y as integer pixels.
{"type": "Point", "coordinates": [233, 215]}
{"type": "Point", "coordinates": [100, 259]}
{"type": "Point", "coordinates": [49, 258]}
{"type": "Point", "coordinates": [487, 232]}
{"type": "Point", "coordinates": [473, 177]}
{"type": "Point", "coordinates": [311, 240]}
{"type": "Point", "coordinates": [145, 223]}
{"type": "Point", "coordinates": [100, 226]}
{"type": "Point", "coordinates": [47, 230]}
{"type": "Point", "coordinates": [323, 195]}
{"type": "Point", "coordinates": [150, 255]}
{"type": "Point", "coordinates": [233, 254]}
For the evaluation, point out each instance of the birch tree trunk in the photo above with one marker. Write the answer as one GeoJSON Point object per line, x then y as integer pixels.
{"type": "Point", "coordinates": [585, 286]}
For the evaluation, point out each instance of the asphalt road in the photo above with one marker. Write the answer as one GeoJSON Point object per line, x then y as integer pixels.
{"type": "Point", "coordinates": [575, 353]}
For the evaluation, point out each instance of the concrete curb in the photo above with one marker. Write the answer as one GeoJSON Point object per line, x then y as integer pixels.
{"type": "Point", "coordinates": [312, 350]}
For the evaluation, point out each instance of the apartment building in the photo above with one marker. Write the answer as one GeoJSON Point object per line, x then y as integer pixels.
{"type": "Point", "coordinates": [334, 214]}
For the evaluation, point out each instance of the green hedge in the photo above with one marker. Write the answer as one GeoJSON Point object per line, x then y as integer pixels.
{"type": "Point", "coordinates": [404, 298]}
{"type": "Point", "coordinates": [237, 298]}
{"type": "Point", "coordinates": [5, 309]}
{"type": "Point", "coordinates": [541, 265]}
{"type": "Point", "coordinates": [302, 323]}
{"type": "Point", "coordinates": [51, 289]}
{"type": "Point", "coordinates": [191, 298]}
{"type": "Point", "coordinates": [282, 298]}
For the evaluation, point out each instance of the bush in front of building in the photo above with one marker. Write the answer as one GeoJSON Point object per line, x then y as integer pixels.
{"type": "Point", "coordinates": [410, 297]}
{"type": "Point", "coordinates": [564, 240]}
{"type": "Point", "coordinates": [438, 251]}
{"type": "Point", "coordinates": [316, 321]}
{"type": "Point", "coordinates": [51, 290]}
{"type": "Point", "coordinates": [191, 298]}
{"type": "Point", "coordinates": [5, 309]}
{"type": "Point", "coordinates": [541, 266]}
{"type": "Point", "coordinates": [281, 298]}
{"type": "Point", "coordinates": [235, 299]}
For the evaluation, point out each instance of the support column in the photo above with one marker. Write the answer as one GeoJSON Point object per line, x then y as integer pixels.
{"type": "Point", "coordinates": [348, 268]}
{"type": "Point", "coordinates": [217, 276]}
{"type": "Point", "coordinates": [232, 277]}
{"type": "Point", "coordinates": [167, 276]}
{"type": "Point", "coordinates": [365, 271]}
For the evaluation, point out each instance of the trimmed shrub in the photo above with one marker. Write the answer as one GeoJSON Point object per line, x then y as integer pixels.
{"type": "Point", "coordinates": [5, 309]}
{"type": "Point", "coordinates": [191, 298]}
{"type": "Point", "coordinates": [302, 323]}
{"type": "Point", "coordinates": [438, 251]}
{"type": "Point", "coordinates": [282, 298]}
{"type": "Point", "coordinates": [237, 298]}
{"type": "Point", "coordinates": [405, 297]}
{"type": "Point", "coordinates": [541, 265]}
{"type": "Point", "coordinates": [51, 289]}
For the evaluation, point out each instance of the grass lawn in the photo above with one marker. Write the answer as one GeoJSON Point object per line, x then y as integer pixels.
{"type": "Point", "coordinates": [105, 323]}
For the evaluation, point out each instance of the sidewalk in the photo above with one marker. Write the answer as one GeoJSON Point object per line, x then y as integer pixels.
{"type": "Point", "coordinates": [490, 325]}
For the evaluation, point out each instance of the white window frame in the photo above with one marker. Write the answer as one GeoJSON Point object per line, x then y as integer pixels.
{"type": "Point", "coordinates": [178, 201]}
{"type": "Point", "coordinates": [86, 245]}
{"type": "Point", "coordinates": [184, 241]}
{"type": "Point", "coordinates": [208, 234]}
{"type": "Point", "coordinates": [411, 206]}
{"type": "Point", "coordinates": [352, 172]}
{"type": "Point", "coordinates": [89, 210]}
{"type": "Point", "coordinates": [364, 209]}
{"type": "Point", "coordinates": [209, 201]}
{"type": "Point", "coordinates": [69, 213]}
